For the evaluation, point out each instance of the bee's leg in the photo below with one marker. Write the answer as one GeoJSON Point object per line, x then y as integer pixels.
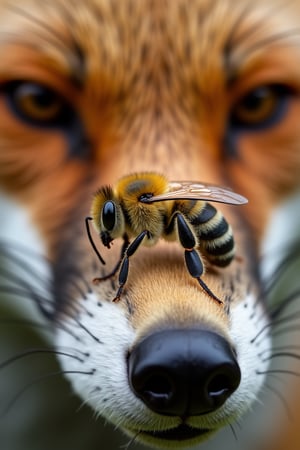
{"type": "Point", "coordinates": [117, 266]}
{"type": "Point", "coordinates": [192, 257]}
{"type": "Point", "coordinates": [195, 268]}
{"type": "Point", "coordinates": [123, 274]}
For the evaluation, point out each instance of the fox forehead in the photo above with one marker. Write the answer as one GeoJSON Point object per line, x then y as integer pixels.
{"type": "Point", "coordinates": [148, 37]}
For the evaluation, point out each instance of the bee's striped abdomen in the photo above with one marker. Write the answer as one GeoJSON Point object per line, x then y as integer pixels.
{"type": "Point", "coordinates": [214, 235]}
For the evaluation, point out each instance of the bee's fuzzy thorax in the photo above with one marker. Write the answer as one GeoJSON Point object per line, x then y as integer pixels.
{"type": "Point", "coordinates": [131, 187]}
{"type": "Point", "coordinates": [141, 216]}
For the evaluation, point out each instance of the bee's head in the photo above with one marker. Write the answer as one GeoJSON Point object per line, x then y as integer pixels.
{"type": "Point", "coordinates": [107, 214]}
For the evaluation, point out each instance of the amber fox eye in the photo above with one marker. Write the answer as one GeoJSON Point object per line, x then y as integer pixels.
{"type": "Point", "coordinates": [264, 106]}
{"type": "Point", "coordinates": [36, 103]}
{"type": "Point", "coordinates": [109, 215]}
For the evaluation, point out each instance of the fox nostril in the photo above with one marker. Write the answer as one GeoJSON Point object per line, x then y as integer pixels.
{"type": "Point", "coordinates": [219, 385]}
{"type": "Point", "coordinates": [158, 385]}
{"type": "Point", "coordinates": [222, 385]}
{"type": "Point", "coordinates": [157, 388]}
{"type": "Point", "coordinates": [183, 372]}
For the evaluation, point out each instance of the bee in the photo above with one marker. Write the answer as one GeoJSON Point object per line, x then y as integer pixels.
{"type": "Point", "coordinates": [144, 207]}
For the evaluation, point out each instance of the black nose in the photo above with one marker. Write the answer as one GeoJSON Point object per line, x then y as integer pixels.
{"type": "Point", "coordinates": [183, 372]}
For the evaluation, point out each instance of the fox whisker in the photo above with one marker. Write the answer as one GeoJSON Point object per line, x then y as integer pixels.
{"type": "Point", "coordinates": [35, 351]}
{"type": "Point", "coordinates": [41, 379]}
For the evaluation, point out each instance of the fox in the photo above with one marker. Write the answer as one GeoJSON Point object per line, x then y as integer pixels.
{"type": "Point", "coordinates": [201, 91]}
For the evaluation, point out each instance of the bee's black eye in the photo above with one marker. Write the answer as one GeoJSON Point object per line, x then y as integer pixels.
{"type": "Point", "coordinates": [109, 215]}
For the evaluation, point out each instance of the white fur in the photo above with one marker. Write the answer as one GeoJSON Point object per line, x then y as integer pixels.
{"type": "Point", "coordinates": [281, 232]}
{"type": "Point", "coordinates": [23, 241]}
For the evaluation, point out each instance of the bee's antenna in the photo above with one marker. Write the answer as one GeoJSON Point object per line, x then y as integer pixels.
{"type": "Point", "coordinates": [87, 219]}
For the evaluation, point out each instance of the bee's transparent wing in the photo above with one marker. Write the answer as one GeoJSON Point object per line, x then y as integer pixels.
{"type": "Point", "coordinates": [190, 190]}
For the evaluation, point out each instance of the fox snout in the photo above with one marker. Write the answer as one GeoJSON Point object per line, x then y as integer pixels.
{"type": "Point", "coordinates": [167, 363]}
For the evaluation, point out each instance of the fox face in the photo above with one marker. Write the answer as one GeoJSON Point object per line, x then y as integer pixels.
{"type": "Point", "coordinates": [203, 91]}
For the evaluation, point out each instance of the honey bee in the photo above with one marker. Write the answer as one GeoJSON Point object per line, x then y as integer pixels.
{"type": "Point", "coordinates": [144, 207]}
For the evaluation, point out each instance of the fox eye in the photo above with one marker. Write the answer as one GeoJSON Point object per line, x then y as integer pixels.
{"type": "Point", "coordinates": [262, 107]}
{"type": "Point", "coordinates": [109, 215]}
{"type": "Point", "coordinates": [36, 103]}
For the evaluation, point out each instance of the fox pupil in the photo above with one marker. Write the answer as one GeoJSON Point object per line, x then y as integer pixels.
{"type": "Point", "coordinates": [109, 215]}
